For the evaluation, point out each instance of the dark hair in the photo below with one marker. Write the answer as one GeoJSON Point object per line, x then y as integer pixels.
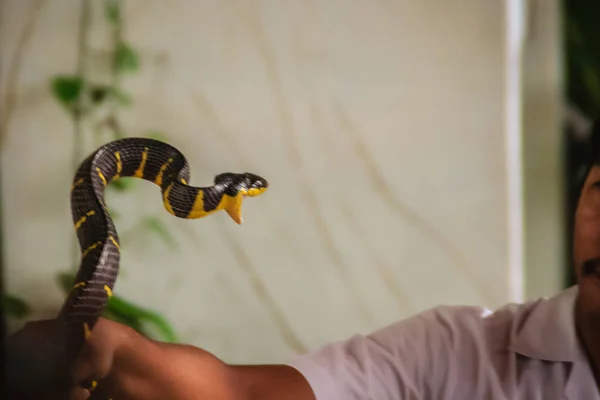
{"type": "Point", "coordinates": [594, 144]}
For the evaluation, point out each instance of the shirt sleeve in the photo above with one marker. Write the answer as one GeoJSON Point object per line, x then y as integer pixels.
{"type": "Point", "coordinates": [399, 362]}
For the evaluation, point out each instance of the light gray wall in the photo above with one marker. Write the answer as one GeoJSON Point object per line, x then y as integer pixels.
{"type": "Point", "coordinates": [381, 126]}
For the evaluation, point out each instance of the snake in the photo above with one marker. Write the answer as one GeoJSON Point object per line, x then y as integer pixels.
{"type": "Point", "coordinates": [150, 160]}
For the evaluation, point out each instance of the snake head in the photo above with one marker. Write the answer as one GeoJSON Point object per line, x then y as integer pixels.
{"type": "Point", "coordinates": [254, 184]}
{"type": "Point", "coordinates": [247, 183]}
{"type": "Point", "coordinates": [235, 187]}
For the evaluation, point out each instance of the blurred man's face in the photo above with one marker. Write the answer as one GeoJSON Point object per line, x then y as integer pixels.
{"type": "Point", "coordinates": [586, 248]}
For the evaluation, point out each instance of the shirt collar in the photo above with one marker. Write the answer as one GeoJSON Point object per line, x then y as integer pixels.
{"type": "Point", "coordinates": [547, 329]}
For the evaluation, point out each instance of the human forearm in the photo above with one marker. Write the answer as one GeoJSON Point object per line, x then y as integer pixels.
{"type": "Point", "coordinates": [271, 382]}
{"type": "Point", "coordinates": [144, 369]}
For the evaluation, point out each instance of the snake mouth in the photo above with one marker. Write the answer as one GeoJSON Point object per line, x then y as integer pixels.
{"type": "Point", "coordinates": [255, 191]}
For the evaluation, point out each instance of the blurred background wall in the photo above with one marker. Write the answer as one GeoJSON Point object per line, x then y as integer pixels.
{"type": "Point", "coordinates": [412, 148]}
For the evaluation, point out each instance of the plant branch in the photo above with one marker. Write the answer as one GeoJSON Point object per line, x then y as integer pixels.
{"type": "Point", "coordinates": [12, 76]}
{"type": "Point", "coordinates": [117, 38]}
{"type": "Point", "coordinates": [77, 115]}
{"type": "Point", "coordinates": [82, 52]}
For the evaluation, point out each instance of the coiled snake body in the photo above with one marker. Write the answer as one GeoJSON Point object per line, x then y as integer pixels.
{"type": "Point", "coordinates": [152, 161]}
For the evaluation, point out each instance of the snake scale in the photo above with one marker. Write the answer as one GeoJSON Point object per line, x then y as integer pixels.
{"type": "Point", "coordinates": [153, 161]}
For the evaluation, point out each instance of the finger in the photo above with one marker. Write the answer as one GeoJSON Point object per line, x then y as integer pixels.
{"type": "Point", "coordinates": [84, 369]}
{"type": "Point", "coordinates": [79, 394]}
{"type": "Point", "coordinates": [92, 365]}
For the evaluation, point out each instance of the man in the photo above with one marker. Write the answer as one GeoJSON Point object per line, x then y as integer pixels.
{"type": "Point", "coordinates": [544, 349]}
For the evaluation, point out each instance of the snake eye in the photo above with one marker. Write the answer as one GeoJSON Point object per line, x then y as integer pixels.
{"type": "Point", "coordinates": [256, 184]}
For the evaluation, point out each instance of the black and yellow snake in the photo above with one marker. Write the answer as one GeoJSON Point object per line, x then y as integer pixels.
{"type": "Point", "coordinates": [153, 161]}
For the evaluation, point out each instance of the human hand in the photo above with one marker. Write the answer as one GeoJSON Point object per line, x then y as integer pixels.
{"type": "Point", "coordinates": [39, 364]}
{"type": "Point", "coordinates": [128, 366]}
{"type": "Point", "coordinates": [125, 365]}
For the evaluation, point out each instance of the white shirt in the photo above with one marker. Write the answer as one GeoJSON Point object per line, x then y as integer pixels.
{"type": "Point", "coordinates": [521, 351]}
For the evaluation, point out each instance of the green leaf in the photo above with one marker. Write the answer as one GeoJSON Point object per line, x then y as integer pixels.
{"type": "Point", "coordinates": [112, 11]}
{"type": "Point", "coordinates": [121, 97]}
{"type": "Point", "coordinates": [166, 332]}
{"type": "Point", "coordinates": [65, 281]}
{"type": "Point", "coordinates": [99, 93]}
{"type": "Point", "coordinates": [158, 227]}
{"type": "Point", "coordinates": [67, 89]}
{"type": "Point", "coordinates": [123, 318]}
{"type": "Point", "coordinates": [123, 184]}
{"type": "Point", "coordinates": [127, 313]}
{"type": "Point", "coordinates": [126, 310]}
{"type": "Point", "coordinates": [126, 59]}
{"type": "Point", "coordinates": [14, 306]}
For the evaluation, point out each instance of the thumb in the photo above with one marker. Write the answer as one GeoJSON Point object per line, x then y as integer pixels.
{"type": "Point", "coordinates": [79, 394]}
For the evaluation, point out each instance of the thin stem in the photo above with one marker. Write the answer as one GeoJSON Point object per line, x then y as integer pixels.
{"type": "Point", "coordinates": [78, 129]}
{"type": "Point", "coordinates": [82, 52]}
{"type": "Point", "coordinates": [15, 65]}
{"type": "Point", "coordinates": [117, 39]}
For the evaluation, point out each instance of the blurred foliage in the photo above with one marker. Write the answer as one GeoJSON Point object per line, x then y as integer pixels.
{"type": "Point", "coordinates": [80, 96]}
{"type": "Point", "coordinates": [125, 312]}
{"type": "Point", "coordinates": [67, 90]}
{"type": "Point", "coordinates": [15, 306]}
{"type": "Point", "coordinates": [581, 32]}
{"type": "Point", "coordinates": [126, 58]}
{"type": "Point", "coordinates": [582, 55]}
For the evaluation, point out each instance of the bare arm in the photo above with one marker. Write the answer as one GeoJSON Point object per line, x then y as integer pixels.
{"type": "Point", "coordinates": [128, 366]}
{"type": "Point", "coordinates": [149, 370]}
{"type": "Point", "coordinates": [270, 382]}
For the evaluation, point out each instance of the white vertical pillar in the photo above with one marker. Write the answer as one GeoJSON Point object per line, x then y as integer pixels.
{"type": "Point", "coordinates": [543, 151]}
{"type": "Point", "coordinates": [515, 28]}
